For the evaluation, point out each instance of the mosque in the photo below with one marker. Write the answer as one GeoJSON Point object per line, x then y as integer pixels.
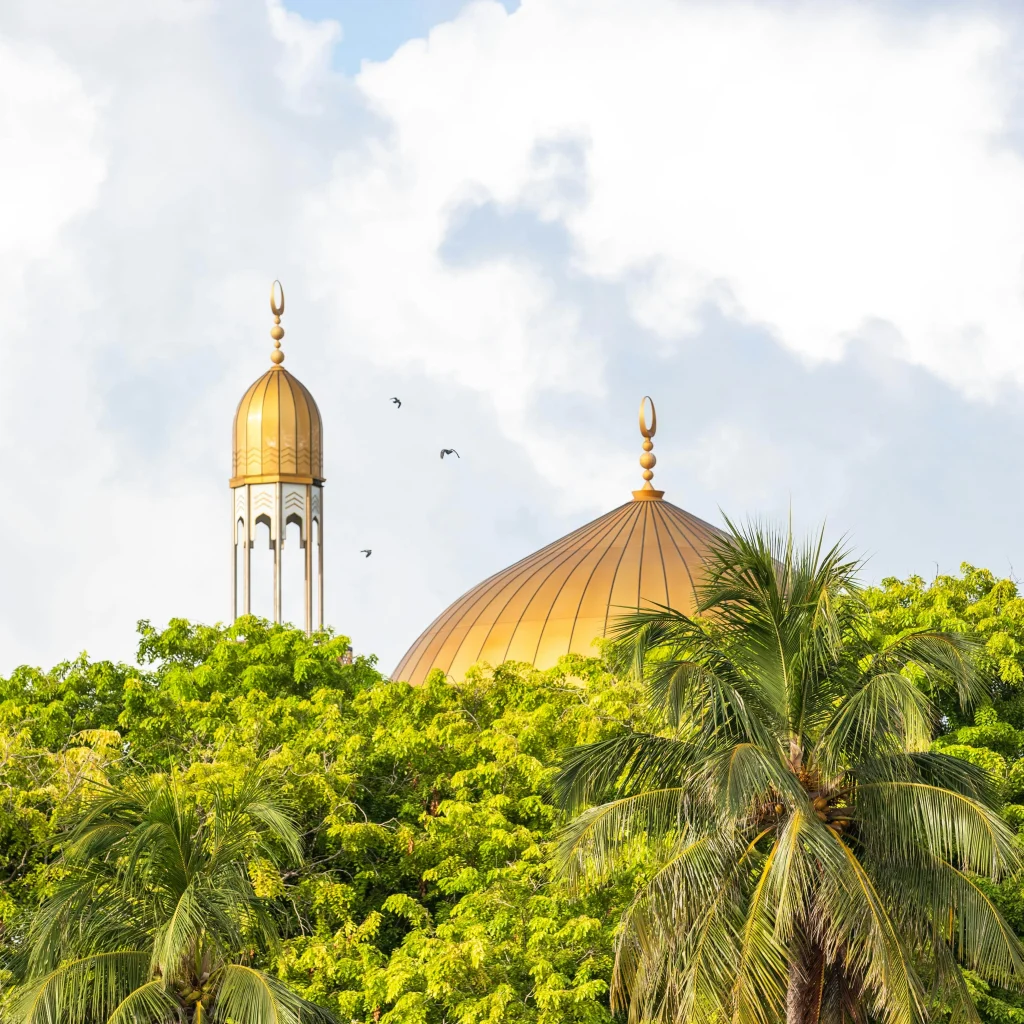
{"type": "Point", "coordinates": [553, 602]}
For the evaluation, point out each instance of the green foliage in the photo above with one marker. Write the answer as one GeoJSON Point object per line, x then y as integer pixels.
{"type": "Point", "coordinates": [424, 891]}
{"type": "Point", "coordinates": [974, 603]}
{"type": "Point", "coordinates": [979, 605]}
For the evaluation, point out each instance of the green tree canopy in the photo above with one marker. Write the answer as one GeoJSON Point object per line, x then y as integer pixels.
{"type": "Point", "coordinates": [424, 815]}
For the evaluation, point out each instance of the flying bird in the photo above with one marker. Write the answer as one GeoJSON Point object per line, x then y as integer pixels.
{"type": "Point", "coordinates": [450, 451]}
{"type": "Point", "coordinates": [366, 551]}
{"type": "Point", "coordinates": [397, 402]}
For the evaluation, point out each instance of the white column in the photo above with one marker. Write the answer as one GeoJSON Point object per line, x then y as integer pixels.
{"type": "Point", "coordinates": [320, 559]}
{"type": "Point", "coordinates": [234, 559]}
{"type": "Point", "coordinates": [278, 543]}
{"type": "Point", "coordinates": [247, 555]}
{"type": "Point", "coordinates": [307, 526]}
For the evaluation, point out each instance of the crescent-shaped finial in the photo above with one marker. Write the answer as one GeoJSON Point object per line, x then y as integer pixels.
{"type": "Point", "coordinates": [277, 331]}
{"type": "Point", "coordinates": [647, 459]}
{"type": "Point", "coordinates": [276, 307]}
{"type": "Point", "coordinates": [648, 431]}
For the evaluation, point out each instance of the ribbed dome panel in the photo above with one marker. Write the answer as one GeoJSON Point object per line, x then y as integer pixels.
{"type": "Point", "coordinates": [563, 597]}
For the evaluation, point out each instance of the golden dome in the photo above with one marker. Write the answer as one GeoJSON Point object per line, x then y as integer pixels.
{"type": "Point", "coordinates": [278, 433]}
{"type": "Point", "coordinates": [561, 598]}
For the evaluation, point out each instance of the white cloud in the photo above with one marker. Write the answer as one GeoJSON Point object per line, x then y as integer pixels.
{"type": "Point", "coordinates": [808, 168]}
{"type": "Point", "coordinates": [308, 47]}
{"type": "Point", "coordinates": [51, 167]}
{"type": "Point", "coordinates": [742, 466]}
{"type": "Point", "coordinates": [821, 171]}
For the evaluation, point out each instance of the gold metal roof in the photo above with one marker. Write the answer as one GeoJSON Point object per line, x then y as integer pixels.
{"type": "Point", "coordinates": [278, 433]}
{"type": "Point", "coordinates": [561, 598]}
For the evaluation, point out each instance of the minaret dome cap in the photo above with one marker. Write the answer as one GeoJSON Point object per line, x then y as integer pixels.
{"type": "Point", "coordinates": [278, 431]}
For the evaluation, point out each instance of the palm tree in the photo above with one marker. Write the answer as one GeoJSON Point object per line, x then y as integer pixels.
{"type": "Point", "coordinates": [154, 918]}
{"type": "Point", "coordinates": [809, 858]}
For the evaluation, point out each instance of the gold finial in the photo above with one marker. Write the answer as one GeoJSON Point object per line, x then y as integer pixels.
{"type": "Point", "coordinates": [647, 460]}
{"type": "Point", "coordinates": [277, 331]}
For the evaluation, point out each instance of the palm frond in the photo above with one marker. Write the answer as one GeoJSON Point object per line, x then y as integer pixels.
{"type": "Point", "coordinates": [241, 810]}
{"type": "Point", "coordinates": [933, 768]}
{"type": "Point", "coordinates": [590, 846]}
{"type": "Point", "coordinates": [634, 636]}
{"type": "Point", "coordinates": [624, 763]}
{"type": "Point", "coordinates": [947, 659]}
{"type": "Point", "coordinates": [152, 863]}
{"type": "Point", "coordinates": [150, 1003]}
{"type": "Point", "coordinates": [745, 776]}
{"type": "Point", "coordinates": [690, 679]}
{"type": "Point", "coordinates": [804, 832]}
{"type": "Point", "coordinates": [676, 951]}
{"type": "Point", "coordinates": [950, 986]}
{"type": "Point", "coordinates": [179, 935]}
{"type": "Point", "coordinates": [958, 910]}
{"type": "Point", "coordinates": [279, 826]}
{"type": "Point", "coordinates": [82, 990]}
{"type": "Point", "coordinates": [907, 816]}
{"type": "Point", "coordinates": [85, 913]}
{"type": "Point", "coordinates": [760, 986]}
{"type": "Point", "coordinates": [250, 996]}
{"type": "Point", "coordinates": [887, 714]}
{"type": "Point", "coordinates": [856, 919]}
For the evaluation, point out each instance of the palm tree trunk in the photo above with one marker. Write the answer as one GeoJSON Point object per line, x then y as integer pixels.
{"type": "Point", "coordinates": [805, 986]}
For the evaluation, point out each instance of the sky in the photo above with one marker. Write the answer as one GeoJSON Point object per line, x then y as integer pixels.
{"type": "Point", "coordinates": [799, 227]}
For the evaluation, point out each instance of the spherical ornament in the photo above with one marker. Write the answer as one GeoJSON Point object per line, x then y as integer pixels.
{"type": "Point", "coordinates": [648, 445]}
{"type": "Point", "coordinates": [277, 332]}
{"type": "Point", "coordinates": [277, 356]}
{"type": "Point", "coordinates": [648, 461]}
{"type": "Point", "coordinates": [647, 474]}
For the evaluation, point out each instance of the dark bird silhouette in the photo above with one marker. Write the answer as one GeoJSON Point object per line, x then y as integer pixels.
{"type": "Point", "coordinates": [397, 402]}
{"type": "Point", "coordinates": [366, 551]}
{"type": "Point", "coordinates": [450, 451]}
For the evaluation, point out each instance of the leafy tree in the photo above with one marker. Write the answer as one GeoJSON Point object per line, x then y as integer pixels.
{"type": "Point", "coordinates": [154, 897]}
{"type": "Point", "coordinates": [816, 861]}
{"type": "Point", "coordinates": [447, 912]}
{"type": "Point", "coordinates": [976, 604]}
{"type": "Point", "coordinates": [990, 611]}
{"type": "Point", "coordinates": [424, 892]}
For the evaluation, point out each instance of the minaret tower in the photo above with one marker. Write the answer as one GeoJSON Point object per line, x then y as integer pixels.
{"type": "Point", "coordinates": [277, 475]}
